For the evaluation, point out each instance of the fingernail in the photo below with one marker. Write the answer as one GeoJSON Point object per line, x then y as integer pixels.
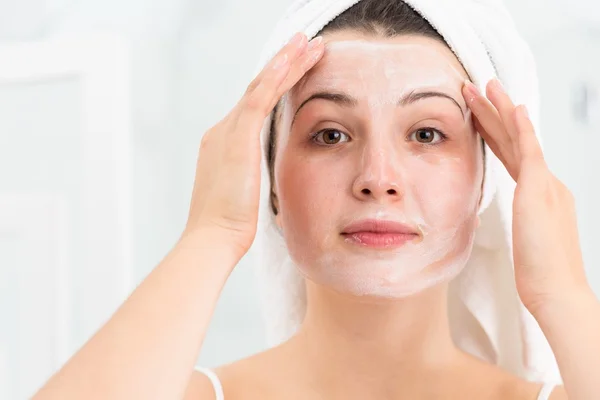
{"type": "Point", "coordinates": [300, 40]}
{"type": "Point", "coordinates": [315, 42]}
{"type": "Point", "coordinates": [315, 56]}
{"type": "Point", "coordinates": [281, 62]}
{"type": "Point", "coordinates": [498, 85]}
{"type": "Point", "coordinates": [524, 112]}
{"type": "Point", "coordinates": [296, 39]}
{"type": "Point", "coordinates": [472, 91]}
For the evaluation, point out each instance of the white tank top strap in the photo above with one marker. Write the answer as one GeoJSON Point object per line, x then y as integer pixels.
{"type": "Point", "coordinates": [546, 391]}
{"type": "Point", "coordinates": [214, 379]}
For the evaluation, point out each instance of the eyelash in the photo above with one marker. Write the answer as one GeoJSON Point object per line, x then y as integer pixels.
{"type": "Point", "coordinates": [443, 136]}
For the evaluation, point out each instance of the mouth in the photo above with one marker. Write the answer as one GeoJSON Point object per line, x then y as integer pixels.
{"type": "Point", "coordinates": [380, 234]}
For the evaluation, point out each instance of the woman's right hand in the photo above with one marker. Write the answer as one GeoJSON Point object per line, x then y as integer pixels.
{"type": "Point", "coordinates": [226, 192]}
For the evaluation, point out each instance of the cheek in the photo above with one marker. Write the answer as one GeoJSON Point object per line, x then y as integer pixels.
{"type": "Point", "coordinates": [308, 190]}
{"type": "Point", "coordinates": [447, 189]}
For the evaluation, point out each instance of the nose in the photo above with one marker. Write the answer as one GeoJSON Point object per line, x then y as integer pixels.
{"type": "Point", "coordinates": [380, 177]}
{"type": "Point", "coordinates": [378, 192]}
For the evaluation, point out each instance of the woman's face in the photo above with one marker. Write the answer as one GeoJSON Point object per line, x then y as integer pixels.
{"type": "Point", "coordinates": [388, 137]}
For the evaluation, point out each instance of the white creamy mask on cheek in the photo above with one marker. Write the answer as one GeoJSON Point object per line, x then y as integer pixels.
{"type": "Point", "coordinates": [438, 191]}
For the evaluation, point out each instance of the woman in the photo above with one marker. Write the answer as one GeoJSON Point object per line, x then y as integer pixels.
{"type": "Point", "coordinates": [356, 140]}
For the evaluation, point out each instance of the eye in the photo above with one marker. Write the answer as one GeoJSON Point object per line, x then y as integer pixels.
{"type": "Point", "coordinates": [329, 136]}
{"type": "Point", "coordinates": [427, 136]}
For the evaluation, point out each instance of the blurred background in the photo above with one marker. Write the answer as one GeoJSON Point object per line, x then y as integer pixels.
{"type": "Point", "coordinates": [102, 108]}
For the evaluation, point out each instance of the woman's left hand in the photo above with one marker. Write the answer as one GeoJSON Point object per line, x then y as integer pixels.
{"type": "Point", "coordinates": [547, 255]}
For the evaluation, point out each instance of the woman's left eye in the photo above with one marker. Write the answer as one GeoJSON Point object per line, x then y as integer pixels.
{"type": "Point", "coordinates": [427, 136]}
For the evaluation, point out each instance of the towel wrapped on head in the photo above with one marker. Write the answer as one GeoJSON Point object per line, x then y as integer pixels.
{"type": "Point", "coordinates": [487, 317]}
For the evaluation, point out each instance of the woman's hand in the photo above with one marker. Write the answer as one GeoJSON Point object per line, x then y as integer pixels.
{"type": "Point", "coordinates": [547, 256]}
{"type": "Point", "coordinates": [227, 186]}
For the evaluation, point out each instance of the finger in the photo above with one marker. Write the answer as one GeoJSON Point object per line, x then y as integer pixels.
{"type": "Point", "coordinates": [272, 75]}
{"type": "Point", "coordinates": [529, 145]}
{"type": "Point", "coordinates": [501, 100]}
{"type": "Point", "coordinates": [262, 100]}
{"type": "Point", "coordinates": [291, 50]}
{"type": "Point", "coordinates": [306, 61]}
{"type": "Point", "coordinates": [508, 164]}
{"type": "Point", "coordinates": [254, 108]}
{"type": "Point", "coordinates": [493, 130]}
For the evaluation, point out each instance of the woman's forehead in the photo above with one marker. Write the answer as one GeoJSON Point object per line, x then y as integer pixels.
{"type": "Point", "coordinates": [366, 67]}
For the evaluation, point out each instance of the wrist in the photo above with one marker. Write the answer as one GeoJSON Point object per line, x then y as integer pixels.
{"type": "Point", "coordinates": [212, 244]}
{"type": "Point", "coordinates": [564, 304]}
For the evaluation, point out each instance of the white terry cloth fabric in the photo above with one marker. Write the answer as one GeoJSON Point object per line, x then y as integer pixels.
{"type": "Point", "coordinates": [488, 319]}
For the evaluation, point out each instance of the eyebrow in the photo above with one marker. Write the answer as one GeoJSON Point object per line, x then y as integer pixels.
{"type": "Point", "coordinates": [348, 101]}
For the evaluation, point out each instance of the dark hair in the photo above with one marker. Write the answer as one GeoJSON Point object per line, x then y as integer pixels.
{"type": "Point", "coordinates": [386, 18]}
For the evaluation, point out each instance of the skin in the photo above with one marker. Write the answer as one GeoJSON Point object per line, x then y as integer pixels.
{"type": "Point", "coordinates": [420, 164]}
{"type": "Point", "coordinates": [351, 346]}
{"type": "Point", "coordinates": [378, 320]}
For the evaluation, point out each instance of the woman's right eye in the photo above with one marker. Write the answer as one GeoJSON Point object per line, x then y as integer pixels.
{"type": "Point", "coordinates": [329, 136]}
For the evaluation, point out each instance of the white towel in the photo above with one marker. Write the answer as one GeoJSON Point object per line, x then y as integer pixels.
{"type": "Point", "coordinates": [488, 319]}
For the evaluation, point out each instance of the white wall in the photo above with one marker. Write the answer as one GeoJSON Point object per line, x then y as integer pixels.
{"type": "Point", "coordinates": [189, 63]}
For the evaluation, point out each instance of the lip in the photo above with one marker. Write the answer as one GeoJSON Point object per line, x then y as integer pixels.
{"type": "Point", "coordinates": [379, 233]}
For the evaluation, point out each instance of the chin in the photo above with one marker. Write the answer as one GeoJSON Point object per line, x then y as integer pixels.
{"type": "Point", "coordinates": [380, 279]}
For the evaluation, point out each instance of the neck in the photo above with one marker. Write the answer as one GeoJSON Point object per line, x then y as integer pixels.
{"type": "Point", "coordinates": [386, 342]}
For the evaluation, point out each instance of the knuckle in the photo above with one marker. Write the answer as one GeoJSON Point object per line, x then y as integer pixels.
{"type": "Point", "coordinates": [204, 144]}
{"type": "Point", "coordinates": [563, 192]}
{"type": "Point", "coordinates": [207, 139]}
{"type": "Point", "coordinates": [255, 104]}
{"type": "Point", "coordinates": [568, 195]}
{"type": "Point", "coordinates": [252, 86]}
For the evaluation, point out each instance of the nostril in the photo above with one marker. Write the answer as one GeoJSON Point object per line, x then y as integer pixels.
{"type": "Point", "coordinates": [389, 191]}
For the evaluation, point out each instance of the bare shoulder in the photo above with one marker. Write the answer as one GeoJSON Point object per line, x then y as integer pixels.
{"type": "Point", "coordinates": [199, 388]}
{"type": "Point", "coordinates": [247, 379]}
{"type": "Point", "coordinates": [493, 382]}
{"type": "Point", "coordinates": [522, 389]}
{"type": "Point", "coordinates": [559, 393]}
{"type": "Point", "coordinates": [264, 376]}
